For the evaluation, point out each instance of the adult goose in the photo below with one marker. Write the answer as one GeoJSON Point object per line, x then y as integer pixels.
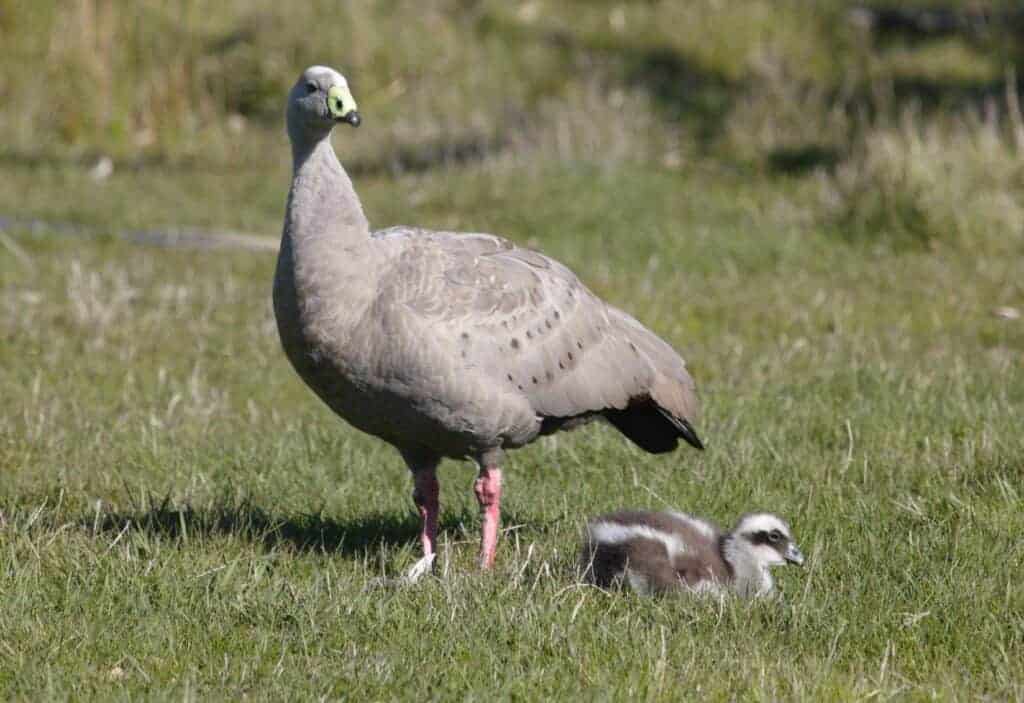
{"type": "Point", "coordinates": [451, 345]}
{"type": "Point", "coordinates": [660, 552]}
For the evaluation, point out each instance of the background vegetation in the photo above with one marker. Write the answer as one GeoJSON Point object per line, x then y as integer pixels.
{"type": "Point", "coordinates": [821, 207]}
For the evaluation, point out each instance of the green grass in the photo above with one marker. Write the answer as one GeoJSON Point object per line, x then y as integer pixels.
{"type": "Point", "coordinates": [822, 225]}
{"type": "Point", "coordinates": [179, 510]}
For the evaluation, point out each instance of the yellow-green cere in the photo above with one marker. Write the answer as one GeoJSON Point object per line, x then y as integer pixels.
{"type": "Point", "coordinates": [340, 101]}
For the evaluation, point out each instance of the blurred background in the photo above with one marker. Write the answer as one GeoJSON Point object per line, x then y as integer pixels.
{"type": "Point", "coordinates": [902, 119]}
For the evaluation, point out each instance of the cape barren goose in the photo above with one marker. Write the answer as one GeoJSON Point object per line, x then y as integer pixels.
{"type": "Point", "coordinates": [665, 552]}
{"type": "Point", "coordinates": [451, 345]}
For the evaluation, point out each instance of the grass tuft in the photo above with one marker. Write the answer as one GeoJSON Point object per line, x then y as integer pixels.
{"type": "Point", "coordinates": [920, 184]}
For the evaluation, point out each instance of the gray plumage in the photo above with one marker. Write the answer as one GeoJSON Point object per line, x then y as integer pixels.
{"type": "Point", "coordinates": [448, 344]}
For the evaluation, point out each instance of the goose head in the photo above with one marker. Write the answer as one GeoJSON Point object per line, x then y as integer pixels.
{"type": "Point", "coordinates": [766, 540]}
{"type": "Point", "coordinates": [319, 100]}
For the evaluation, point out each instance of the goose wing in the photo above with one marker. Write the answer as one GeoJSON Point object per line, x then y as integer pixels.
{"type": "Point", "coordinates": [531, 327]}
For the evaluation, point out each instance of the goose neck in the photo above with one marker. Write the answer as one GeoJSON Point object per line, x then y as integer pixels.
{"type": "Point", "coordinates": [322, 203]}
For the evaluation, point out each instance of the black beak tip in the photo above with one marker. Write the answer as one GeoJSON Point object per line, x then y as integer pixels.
{"type": "Point", "coordinates": [354, 119]}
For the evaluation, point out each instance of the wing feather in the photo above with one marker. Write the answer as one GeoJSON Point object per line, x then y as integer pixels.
{"type": "Point", "coordinates": [530, 327]}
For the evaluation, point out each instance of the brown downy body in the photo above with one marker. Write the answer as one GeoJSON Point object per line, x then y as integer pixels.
{"type": "Point", "coordinates": [661, 552]}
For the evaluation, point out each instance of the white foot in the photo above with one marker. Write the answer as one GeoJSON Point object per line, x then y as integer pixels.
{"type": "Point", "coordinates": [410, 577]}
{"type": "Point", "coordinates": [420, 568]}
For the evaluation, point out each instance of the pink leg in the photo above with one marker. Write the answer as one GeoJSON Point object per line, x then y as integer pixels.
{"type": "Point", "coordinates": [488, 493]}
{"type": "Point", "coordinates": [425, 495]}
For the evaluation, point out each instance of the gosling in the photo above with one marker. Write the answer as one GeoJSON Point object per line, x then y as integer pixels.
{"type": "Point", "coordinates": [665, 552]}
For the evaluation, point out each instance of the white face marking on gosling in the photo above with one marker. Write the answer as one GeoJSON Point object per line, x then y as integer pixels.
{"type": "Point", "coordinates": [750, 526]}
{"type": "Point", "coordinates": [614, 533]}
{"type": "Point", "coordinates": [762, 522]}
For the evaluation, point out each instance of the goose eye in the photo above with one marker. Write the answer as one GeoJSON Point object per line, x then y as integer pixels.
{"type": "Point", "coordinates": [311, 87]}
{"type": "Point", "coordinates": [774, 536]}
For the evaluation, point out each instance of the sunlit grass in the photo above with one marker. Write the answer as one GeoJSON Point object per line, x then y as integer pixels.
{"type": "Point", "coordinates": [827, 228]}
{"type": "Point", "coordinates": [181, 517]}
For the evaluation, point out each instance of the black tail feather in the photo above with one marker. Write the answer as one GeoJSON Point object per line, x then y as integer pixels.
{"type": "Point", "coordinates": [686, 430]}
{"type": "Point", "coordinates": [652, 428]}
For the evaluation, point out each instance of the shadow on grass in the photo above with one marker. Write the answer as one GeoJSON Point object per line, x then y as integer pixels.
{"type": "Point", "coordinates": [684, 89]}
{"type": "Point", "coordinates": [799, 160]}
{"type": "Point", "coordinates": [979, 21]}
{"type": "Point", "coordinates": [304, 532]}
{"type": "Point", "coordinates": [992, 32]}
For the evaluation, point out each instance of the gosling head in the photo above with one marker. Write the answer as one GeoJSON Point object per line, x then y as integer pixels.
{"type": "Point", "coordinates": [319, 100]}
{"type": "Point", "coordinates": [766, 540]}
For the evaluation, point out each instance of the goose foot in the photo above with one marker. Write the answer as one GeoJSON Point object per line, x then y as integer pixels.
{"type": "Point", "coordinates": [420, 569]}
{"type": "Point", "coordinates": [415, 573]}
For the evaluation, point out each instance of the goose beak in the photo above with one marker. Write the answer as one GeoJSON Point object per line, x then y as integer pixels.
{"type": "Point", "coordinates": [342, 105]}
{"type": "Point", "coordinates": [793, 555]}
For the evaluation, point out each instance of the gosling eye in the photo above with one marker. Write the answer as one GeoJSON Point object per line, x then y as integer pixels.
{"type": "Point", "coordinates": [311, 88]}
{"type": "Point", "coordinates": [774, 536]}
